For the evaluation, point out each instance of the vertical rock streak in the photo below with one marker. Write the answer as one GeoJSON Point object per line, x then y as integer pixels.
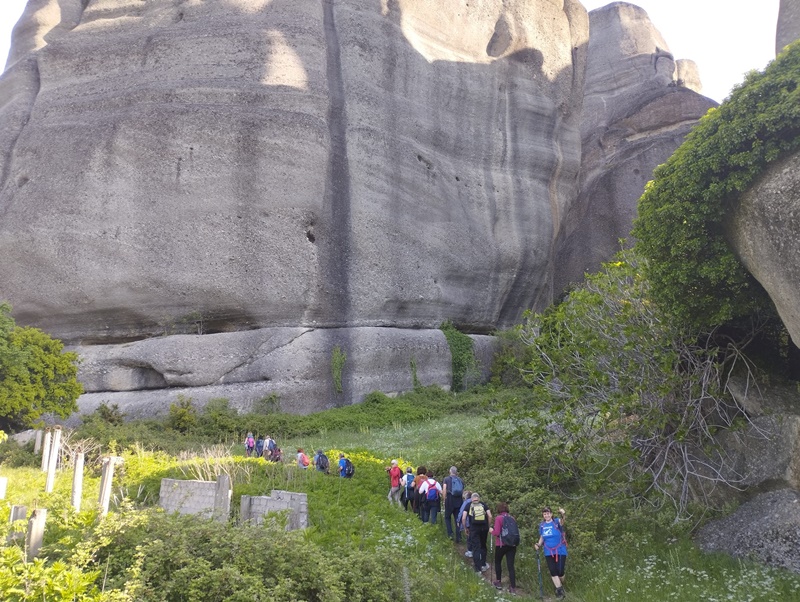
{"type": "Point", "coordinates": [337, 200]}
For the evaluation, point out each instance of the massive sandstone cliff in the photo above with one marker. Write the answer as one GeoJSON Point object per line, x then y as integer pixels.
{"type": "Point", "coordinates": [639, 104]}
{"type": "Point", "coordinates": [205, 198]}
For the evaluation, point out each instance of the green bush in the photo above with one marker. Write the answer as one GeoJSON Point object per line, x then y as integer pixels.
{"type": "Point", "coordinates": [680, 229]}
{"type": "Point", "coordinates": [182, 415]}
{"type": "Point", "coordinates": [462, 354]}
{"type": "Point", "coordinates": [620, 394]}
{"type": "Point", "coordinates": [36, 375]}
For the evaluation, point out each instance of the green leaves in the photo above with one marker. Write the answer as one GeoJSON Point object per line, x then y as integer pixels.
{"type": "Point", "coordinates": [36, 375]}
{"type": "Point", "coordinates": [463, 357]}
{"type": "Point", "coordinates": [693, 271]}
{"type": "Point", "coordinates": [620, 393]}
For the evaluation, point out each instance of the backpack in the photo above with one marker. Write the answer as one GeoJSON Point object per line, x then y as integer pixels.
{"type": "Point", "coordinates": [509, 532]}
{"type": "Point", "coordinates": [456, 486]}
{"type": "Point", "coordinates": [322, 463]}
{"type": "Point", "coordinates": [561, 529]}
{"type": "Point", "coordinates": [271, 444]}
{"type": "Point", "coordinates": [477, 514]}
{"type": "Point", "coordinates": [349, 469]}
{"type": "Point", "coordinates": [409, 484]}
{"type": "Point", "coordinates": [250, 443]}
{"type": "Point", "coordinates": [432, 494]}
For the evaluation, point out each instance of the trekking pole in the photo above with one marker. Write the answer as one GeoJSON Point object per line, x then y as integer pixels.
{"type": "Point", "coordinates": [539, 566]}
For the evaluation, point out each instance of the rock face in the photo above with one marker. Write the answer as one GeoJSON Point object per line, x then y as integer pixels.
{"type": "Point", "coordinates": [765, 454]}
{"type": "Point", "coordinates": [788, 24]}
{"type": "Point", "coordinates": [215, 167]}
{"type": "Point", "coordinates": [295, 364]}
{"type": "Point", "coordinates": [764, 458]}
{"type": "Point", "coordinates": [639, 104]}
{"type": "Point", "coordinates": [766, 528]}
{"type": "Point", "coordinates": [259, 163]}
{"type": "Point", "coordinates": [762, 229]}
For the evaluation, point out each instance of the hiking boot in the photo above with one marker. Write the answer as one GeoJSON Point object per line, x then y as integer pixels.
{"type": "Point", "coordinates": [497, 584]}
{"type": "Point", "coordinates": [512, 590]}
{"type": "Point", "coordinates": [468, 554]}
{"type": "Point", "coordinates": [486, 567]}
{"type": "Point", "coordinates": [559, 592]}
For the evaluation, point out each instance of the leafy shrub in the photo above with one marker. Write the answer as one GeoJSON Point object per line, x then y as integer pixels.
{"type": "Point", "coordinates": [621, 395]}
{"type": "Point", "coordinates": [462, 354]}
{"type": "Point", "coordinates": [36, 375]}
{"type": "Point", "coordinates": [680, 229]}
{"type": "Point", "coordinates": [13, 455]}
{"type": "Point", "coordinates": [338, 358]}
{"type": "Point", "coordinates": [182, 415]}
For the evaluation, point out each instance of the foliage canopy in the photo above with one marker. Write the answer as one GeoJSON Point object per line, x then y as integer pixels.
{"type": "Point", "coordinates": [680, 229]}
{"type": "Point", "coordinates": [622, 396]}
{"type": "Point", "coordinates": [36, 375]}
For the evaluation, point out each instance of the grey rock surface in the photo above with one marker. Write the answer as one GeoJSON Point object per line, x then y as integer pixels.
{"type": "Point", "coordinates": [766, 528]}
{"type": "Point", "coordinates": [788, 29]}
{"type": "Point", "coordinates": [289, 171]}
{"type": "Point", "coordinates": [143, 378]}
{"type": "Point", "coordinates": [765, 453]}
{"type": "Point", "coordinates": [762, 229]}
{"type": "Point", "coordinates": [254, 164]}
{"type": "Point", "coordinates": [639, 104]}
{"type": "Point", "coordinates": [687, 75]}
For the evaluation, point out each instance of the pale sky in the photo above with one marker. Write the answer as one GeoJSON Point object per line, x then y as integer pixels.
{"type": "Point", "coordinates": [726, 38]}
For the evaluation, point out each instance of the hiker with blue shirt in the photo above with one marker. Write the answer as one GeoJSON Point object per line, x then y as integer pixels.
{"type": "Point", "coordinates": [551, 538]}
{"type": "Point", "coordinates": [453, 492]}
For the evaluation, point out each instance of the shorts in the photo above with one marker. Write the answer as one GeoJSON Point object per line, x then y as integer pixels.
{"type": "Point", "coordinates": [556, 567]}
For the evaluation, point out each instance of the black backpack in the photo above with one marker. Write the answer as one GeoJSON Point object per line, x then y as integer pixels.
{"type": "Point", "coordinates": [349, 469]}
{"type": "Point", "coordinates": [509, 532]}
{"type": "Point", "coordinates": [323, 463]}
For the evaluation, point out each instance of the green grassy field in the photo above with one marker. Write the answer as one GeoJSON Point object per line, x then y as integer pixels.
{"type": "Point", "coordinates": [350, 519]}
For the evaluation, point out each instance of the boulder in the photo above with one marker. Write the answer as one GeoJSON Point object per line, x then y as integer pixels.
{"type": "Point", "coordinates": [639, 104]}
{"type": "Point", "coordinates": [145, 377]}
{"type": "Point", "coordinates": [762, 228]}
{"type": "Point", "coordinates": [765, 453]}
{"type": "Point", "coordinates": [766, 528]}
{"type": "Point", "coordinates": [764, 457]}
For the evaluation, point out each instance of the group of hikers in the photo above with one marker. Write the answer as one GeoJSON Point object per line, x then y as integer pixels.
{"type": "Point", "coordinates": [262, 447]}
{"type": "Point", "coordinates": [265, 446]}
{"type": "Point", "coordinates": [465, 513]}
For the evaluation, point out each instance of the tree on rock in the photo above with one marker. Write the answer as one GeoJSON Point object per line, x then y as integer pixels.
{"type": "Point", "coordinates": [36, 375]}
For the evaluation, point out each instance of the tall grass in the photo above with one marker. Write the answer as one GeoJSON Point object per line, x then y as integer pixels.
{"type": "Point", "coordinates": [352, 517]}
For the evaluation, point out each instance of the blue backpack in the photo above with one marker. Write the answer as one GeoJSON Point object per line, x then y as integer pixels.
{"type": "Point", "coordinates": [433, 493]}
{"type": "Point", "coordinates": [409, 483]}
{"type": "Point", "coordinates": [456, 486]}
